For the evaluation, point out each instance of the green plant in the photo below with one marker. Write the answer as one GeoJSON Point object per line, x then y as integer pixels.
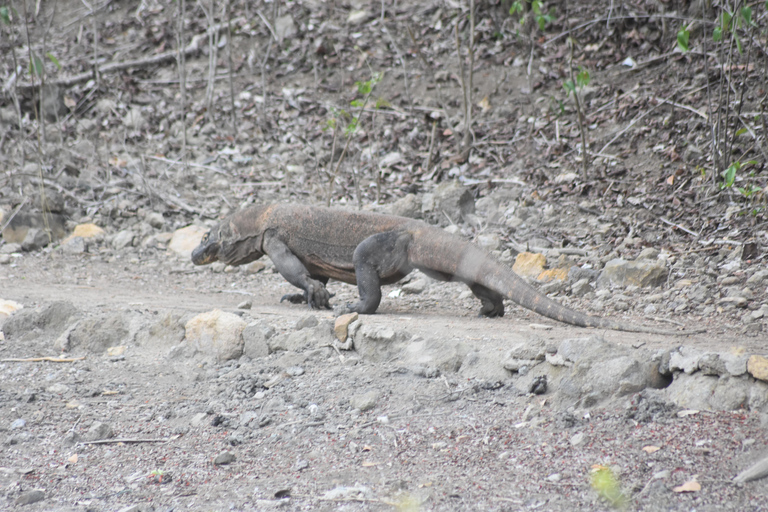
{"type": "Point", "coordinates": [683, 35]}
{"type": "Point", "coordinates": [582, 80]}
{"type": "Point", "coordinates": [350, 126]}
{"type": "Point", "coordinates": [607, 485]}
{"type": "Point", "coordinates": [574, 85]}
{"type": "Point", "coordinates": [729, 175]}
{"type": "Point", "coordinates": [540, 16]}
{"type": "Point", "coordinates": [5, 14]}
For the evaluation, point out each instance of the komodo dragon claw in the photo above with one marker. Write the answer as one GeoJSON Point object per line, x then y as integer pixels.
{"type": "Point", "coordinates": [300, 298]}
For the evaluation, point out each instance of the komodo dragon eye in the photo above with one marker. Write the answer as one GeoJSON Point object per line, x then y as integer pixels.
{"type": "Point", "coordinates": [204, 240]}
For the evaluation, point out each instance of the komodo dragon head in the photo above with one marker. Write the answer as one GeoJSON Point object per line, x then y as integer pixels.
{"type": "Point", "coordinates": [226, 244]}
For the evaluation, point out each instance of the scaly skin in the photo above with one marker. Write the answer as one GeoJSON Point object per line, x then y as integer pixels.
{"type": "Point", "coordinates": [310, 245]}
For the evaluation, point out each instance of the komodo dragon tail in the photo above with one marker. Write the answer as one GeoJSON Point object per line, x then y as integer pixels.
{"type": "Point", "coordinates": [434, 249]}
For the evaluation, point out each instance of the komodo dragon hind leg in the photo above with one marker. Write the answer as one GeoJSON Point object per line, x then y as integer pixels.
{"type": "Point", "coordinates": [492, 302]}
{"type": "Point", "coordinates": [378, 258]}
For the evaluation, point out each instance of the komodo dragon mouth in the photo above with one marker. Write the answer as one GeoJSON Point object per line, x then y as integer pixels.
{"type": "Point", "coordinates": [207, 252]}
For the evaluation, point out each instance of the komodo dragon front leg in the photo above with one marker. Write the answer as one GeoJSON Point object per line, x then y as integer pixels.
{"type": "Point", "coordinates": [294, 271]}
{"type": "Point", "coordinates": [379, 259]}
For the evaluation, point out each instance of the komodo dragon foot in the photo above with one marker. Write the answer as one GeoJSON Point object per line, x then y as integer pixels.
{"type": "Point", "coordinates": [301, 298]}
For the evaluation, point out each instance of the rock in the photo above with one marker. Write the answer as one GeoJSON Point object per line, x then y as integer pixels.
{"type": "Point", "coordinates": [86, 231]}
{"type": "Point", "coordinates": [685, 359]}
{"type": "Point", "coordinates": [364, 401]}
{"type": "Point", "coordinates": [757, 366]}
{"type": "Point", "coordinates": [642, 273]}
{"type": "Point", "coordinates": [155, 219]}
{"type": "Point", "coordinates": [358, 17]}
{"type": "Point", "coordinates": [407, 206]}
{"type": "Point", "coordinates": [185, 240]}
{"type": "Point", "coordinates": [520, 365]}
{"type": "Point", "coordinates": [74, 245]}
{"type": "Point", "coordinates": [98, 333]}
{"type": "Point", "coordinates": [71, 439]}
{"type": "Point", "coordinates": [134, 119]}
{"type": "Point", "coordinates": [534, 349]}
{"type": "Point", "coordinates": [528, 264]}
{"type": "Point", "coordinates": [246, 304]}
{"type": "Point", "coordinates": [99, 431]}
{"type": "Point", "coordinates": [731, 394]}
{"type": "Point", "coordinates": [756, 471]}
{"type": "Point", "coordinates": [581, 288]}
{"type": "Point", "coordinates": [255, 337]}
{"type": "Point", "coordinates": [649, 253]}
{"type": "Point", "coordinates": [452, 200]}
{"type": "Point", "coordinates": [123, 239]}
{"type": "Point", "coordinates": [255, 267]}
{"type": "Point", "coordinates": [7, 308]}
{"type": "Point", "coordinates": [556, 277]}
{"type": "Point", "coordinates": [29, 497]}
{"type": "Point", "coordinates": [758, 277]}
{"type": "Point", "coordinates": [285, 28]}
{"type": "Point", "coordinates": [378, 344]}
{"type": "Point", "coordinates": [45, 323]}
{"type": "Point", "coordinates": [216, 334]}
{"type": "Point", "coordinates": [446, 356]}
{"type": "Point", "coordinates": [299, 341]}
{"type": "Point", "coordinates": [692, 391]}
{"type": "Point", "coordinates": [415, 287]}
{"type": "Point", "coordinates": [341, 325]}
{"type": "Point", "coordinates": [223, 458]}
{"type": "Point", "coordinates": [30, 230]}
{"type": "Point", "coordinates": [306, 322]}
{"type": "Point", "coordinates": [489, 242]}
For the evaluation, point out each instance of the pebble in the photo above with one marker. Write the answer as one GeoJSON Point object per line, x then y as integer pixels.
{"type": "Point", "coordinates": [99, 431]}
{"type": "Point", "coordinates": [19, 423]}
{"type": "Point", "coordinates": [364, 401]}
{"type": "Point", "coordinates": [223, 458]}
{"type": "Point", "coordinates": [30, 497]}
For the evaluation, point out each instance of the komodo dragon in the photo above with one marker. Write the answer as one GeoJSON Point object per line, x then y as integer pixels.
{"type": "Point", "coordinates": [309, 245]}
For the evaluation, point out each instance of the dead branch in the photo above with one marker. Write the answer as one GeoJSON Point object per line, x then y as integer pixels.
{"type": "Point", "coordinates": [42, 359]}
{"type": "Point", "coordinates": [193, 47]}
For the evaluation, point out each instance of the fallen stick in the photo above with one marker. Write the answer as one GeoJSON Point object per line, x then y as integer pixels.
{"type": "Point", "coordinates": [161, 58]}
{"type": "Point", "coordinates": [130, 440]}
{"type": "Point", "coordinates": [39, 359]}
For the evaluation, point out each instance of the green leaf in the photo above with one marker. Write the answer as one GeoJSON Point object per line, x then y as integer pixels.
{"type": "Point", "coordinates": [382, 103]}
{"type": "Point", "coordinates": [569, 87]}
{"type": "Point", "coordinates": [741, 131]}
{"type": "Point", "coordinates": [517, 7]}
{"type": "Point", "coordinates": [363, 87]}
{"type": "Point", "coordinates": [582, 78]}
{"type": "Point", "coordinates": [729, 175]}
{"type": "Point", "coordinates": [682, 39]}
{"type": "Point", "coordinates": [717, 34]}
{"type": "Point", "coordinates": [746, 15]}
{"type": "Point", "coordinates": [357, 103]}
{"type": "Point", "coordinates": [351, 127]}
{"type": "Point", "coordinates": [53, 59]}
{"type": "Point", "coordinates": [536, 6]}
{"type": "Point", "coordinates": [738, 43]}
{"type": "Point", "coordinates": [5, 14]}
{"type": "Point", "coordinates": [726, 21]}
{"type": "Point", "coordinates": [36, 66]}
